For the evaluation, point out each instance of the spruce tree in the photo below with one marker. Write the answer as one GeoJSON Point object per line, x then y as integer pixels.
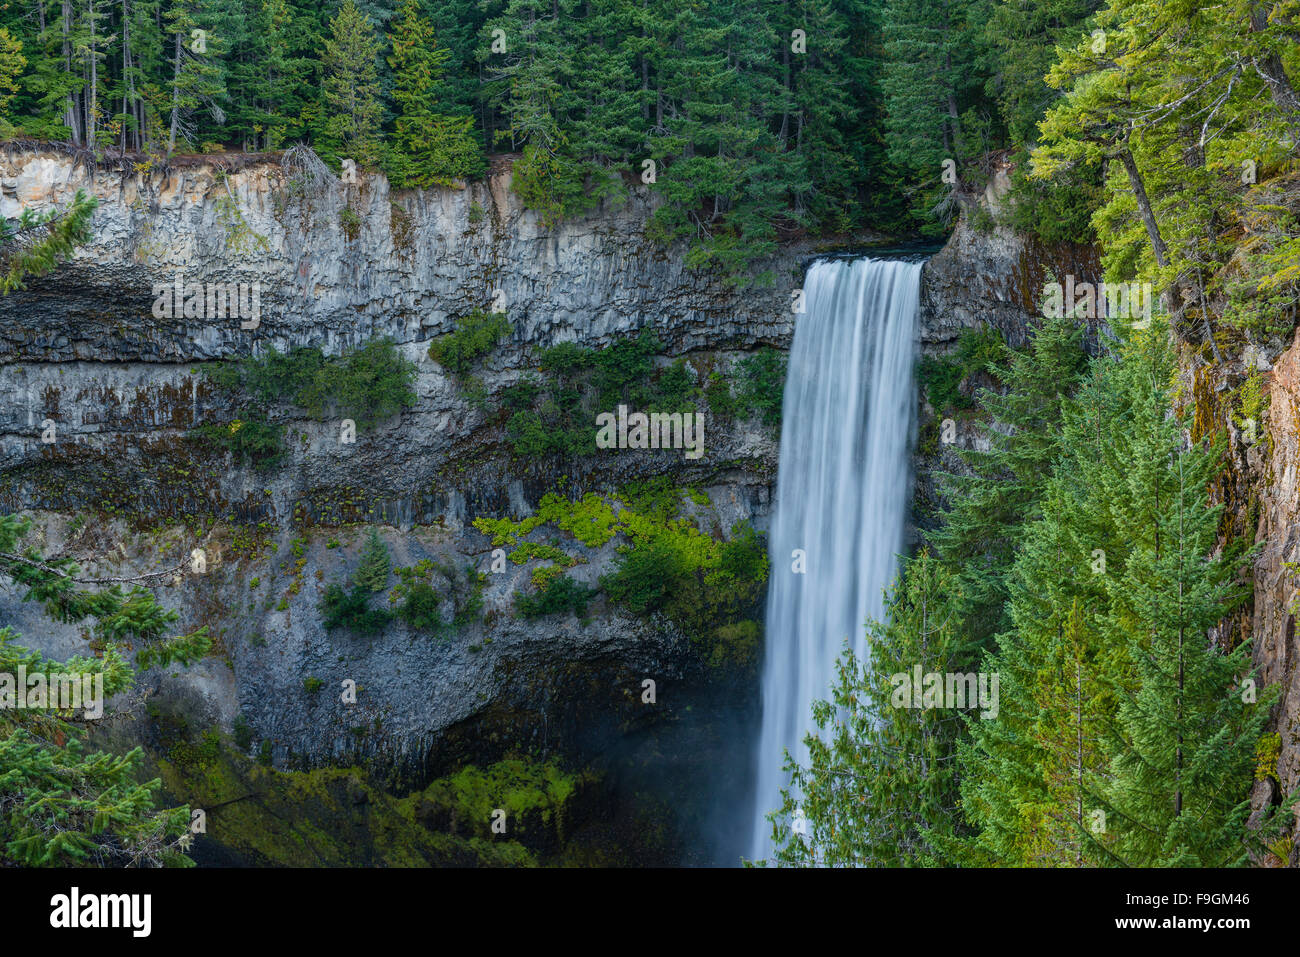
{"type": "Point", "coordinates": [37, 243]}
{"type": "Point", "coordinates": [989, 505]}
{"type": "Point", "coordinates": [1185, 733]}
{"type": "Point", "coordinates": [197, 75]}
{"type": "Point", "coordinates": [372, 572]}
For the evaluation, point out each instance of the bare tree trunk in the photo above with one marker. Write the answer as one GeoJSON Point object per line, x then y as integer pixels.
{"type": "Point", "coordinates": [72, 111]}
{"type": "Point", "coordinates": [785, 108]}
{"type": "Point", "coordinates": [1144, 206]}
{"type": "Point", "coordinates": [92, 106]}
{"type": "Point", "coordinates": [126, 70]}
{"type": "Point", "coordinates": [176, 97]}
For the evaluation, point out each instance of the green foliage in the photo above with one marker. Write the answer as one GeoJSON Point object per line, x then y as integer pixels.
{"type": "Point", "coordinates": [736, 646]}
{"type": "Point", "coordinates": [697, 582]}
{"type": "Point", "coordinates": [350, 88]}
{"type": "Point", "coordinates": [427, 147]}
{"type": "Point", "coordinates": [717, 393]}
{"type": "Point", "coordinates": [475, 335]}
{"type": "Point", "coordinates": [12, 62]}
{"type": "Point", "coordinates": [669, 566]}
{"type": "Point", "coordinates": [534, 795]}
{"type": "Point", "coordinates": [367, 385]}
{"type": "Point", "coordinates": [761, 386]}
{"type": "Point", "coordinates": [312, 684]}
{"type": "Point", "coordinates": [1081, 566]}
{"type": "Point", "coordinates": [978, 350]}
{"type": "Point", "coordinates": [1114, 699]}
{"type": "Point", "coordinates": [243, 733]}
{"type": "Point", "coordinates": [557, 594]}
{"type": "Point", "coordinates": [351, 611]}
{"type": "Point", "coordinates": [420, 603]}
{"type": "Point", "coordinates": [420, 609]}
{"type": "Point", "coordinates": [36, 244]}
{"type": "Point", "coordinates": [555, 416]}
{"type": "Point", "coordinates": [1253, 402]}
{"type": "Point", "coordinates": [1056, 212]}
{"type": "Point", "coordinates": [64, 805]}
{"type": "Point", "coordinates": [252, 441]}
{"type": "Point", "coordinates": [869, 733]}
{"type": "Point", "coordinates": [1267, 750]}
{"type": "Point", "coordinates": [372, 572]}
{"type": "Point", "coordinates": [989, 503]}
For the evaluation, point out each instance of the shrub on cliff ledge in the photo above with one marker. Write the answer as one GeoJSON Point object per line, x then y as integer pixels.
{"type": "Point", "coordinates": [351, 610]}
{"type": "Point", "coordinates": [368, 385]}
{"type": "Point", "coordinates": [475, 335]}
{"type": "Point", "coordinates": [557, 594]}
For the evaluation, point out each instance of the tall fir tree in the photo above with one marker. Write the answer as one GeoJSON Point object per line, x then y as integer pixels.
{"type": "Point", "coordinates": [991, 502]}
{"type": "Point", "coordinates": [350, 89]}
{"type": "Point", "coordinates": [1185, 733]}
{"type": "Point", "coordinates": [427, 147]}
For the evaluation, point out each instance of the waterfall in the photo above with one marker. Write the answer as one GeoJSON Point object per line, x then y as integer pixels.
{"type": "Point", "coordinates": [842, 495]}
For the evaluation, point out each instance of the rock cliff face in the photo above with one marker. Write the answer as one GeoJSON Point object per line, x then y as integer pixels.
{"type": "Point", "coordinates": [342, 263]}
{"type": "Point", "coordinates": [1261, 493]}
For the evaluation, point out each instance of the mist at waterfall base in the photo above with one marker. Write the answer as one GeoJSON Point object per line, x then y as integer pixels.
{"type": "Point", "coordinates": [843, 491]}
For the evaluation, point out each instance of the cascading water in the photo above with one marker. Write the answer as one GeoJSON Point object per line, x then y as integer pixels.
{"type": "Point", "coordinates": [842, 495]}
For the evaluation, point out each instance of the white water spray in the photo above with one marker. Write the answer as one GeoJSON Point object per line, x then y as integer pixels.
{"type": "Point", "coordinates": [842, 495]}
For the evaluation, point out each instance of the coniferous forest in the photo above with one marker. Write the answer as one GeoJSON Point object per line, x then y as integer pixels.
{"type": "Point", "coordinates": [1100, 502]}
{"type": "Point", "coordinates": [779, 119]}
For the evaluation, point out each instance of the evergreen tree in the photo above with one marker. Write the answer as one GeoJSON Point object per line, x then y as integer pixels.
{"type": "Point", "coordinates": [36, 244]}
{"type": "Point", "coordinates": [197, 78]}
{"type": "Point", "coordinates": [428, 147]}
{"type": "Point", "coordinates": [372, 573]}
{"type": "Point", "coordinates": [1184, 734]}
{"type": "Point", "coordinates": [1022, 37]}
{"type": "Point", "coordinates": [990, 504]}
{"type": "Point", "coordinates": [12, 62]}
{"type": "Point", "coordinates": [350, 88]}
{"type": "Point", "coordinates": [1113, 697]}
{"type": "Point", "coordinates": [930, 80]}
{"type": "Point", "coordinates": [880, 788]}
{"type": "Point", "coordinates": [62, 804]}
